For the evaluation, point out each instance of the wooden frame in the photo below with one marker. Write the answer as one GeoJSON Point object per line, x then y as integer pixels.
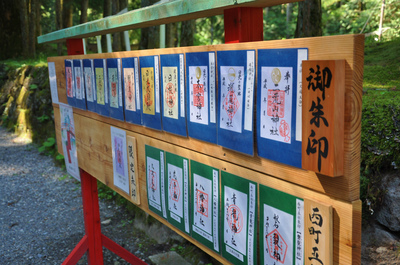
{"type": "Point", "coordinates": [342, 193]}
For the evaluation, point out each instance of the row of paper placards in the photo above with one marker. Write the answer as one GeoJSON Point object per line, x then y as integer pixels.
{"type": "Point", "coordinates": [205, 95]}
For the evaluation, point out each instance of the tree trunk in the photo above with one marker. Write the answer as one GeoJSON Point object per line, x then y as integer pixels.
{"type": "Point", "coordinates": [116, 41]}
{"type": "Point", "coordinates": [68, 12]}
{"type": "Point", "coordinates": [24, 27]}
{"type": "Point", "coordinates": [309, 19]}
{"type": "Point", "coordinates": [171, 35]}
{"type": "Point", "coordinates": [32, 29]}
{"type": "Point", "coordinates": [106, 13]}
{"type": "Point", "coordinates": [122, 5]}
{"type": "Point", "coordinates": [84, 8]}
{"type": "Point", "coordinates": [150, 37]}
{"type": "Point", "coordinates": [187, 33]}
{"type": "Point", "coordinates": [38, 19]}
{"type": "Point", "coordinates": [59, 20]}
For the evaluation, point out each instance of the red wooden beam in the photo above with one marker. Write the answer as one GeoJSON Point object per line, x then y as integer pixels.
{"type": "Point", "coordinates": [77, 253]}
{"type": "Point", "coordinates": [243, 24]}
{"type": "Point", "coordinates": [120, 251]}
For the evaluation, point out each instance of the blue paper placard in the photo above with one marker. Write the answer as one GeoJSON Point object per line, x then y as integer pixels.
{"type": "Point", "coordinates": [115, 90]}
{"type": "Point", "coordinates": [201, 107]}
{"type": "Point", "coordinates": [236, 74]}
{"type": "Point", "coordinates": [279, 105]}
{"type": "Point", "coordinates": [100, 73]}
{"type": "Point", "coordinates": [130, 80]}
{"type": "Point", "coordinates": [80, 99]}
{"type": "Point", "coordinates": [150, 91]}
{"type": "Point", "coordinates": [173, 93]}
{"type": "Point", "coordinates": [69, 83]}
{"type": "Point", "coordinates": [90, 85]}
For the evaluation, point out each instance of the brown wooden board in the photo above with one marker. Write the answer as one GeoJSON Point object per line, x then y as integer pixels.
{"type": "Point", "coordinates": [95, 157]}
{"type": "Point", "coordinates": [323, 116]}
{"type": "Point", "coordinates": [347, 47]}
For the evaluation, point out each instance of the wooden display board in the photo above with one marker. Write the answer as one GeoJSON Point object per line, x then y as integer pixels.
{"type": "Point", "coordinates": [337, 197]}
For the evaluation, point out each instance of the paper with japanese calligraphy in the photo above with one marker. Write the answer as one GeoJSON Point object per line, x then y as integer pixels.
{"type": "Point", "coordinates": [133, 169]}
{"type": "Point", "coordinates": [119, 158]}
{"type": "Point", "coordinates": [177, 185]}
{"type": "Point", "coordinates": [150, 89]}
{"type": "Point", "coordinates": [239, 208]}
{"type": "Point", "coordinates": [278, 98]}
{"type": "Point", "coordinates": [69, 82]}
{"type": "Point", "coordinates": [115, 89]}
{"type": "Point", "coordinates": [201, 96]}
{"type": "Point", "coordinates": [282, 227]}
{"type": "Point", "coordinates": [53, 82]}
{"type": "Point", "coordinates": [80, 99]}
{"type": "Point", "coordinates": [90, 86]}
{"type": "Point", "coordinates": [205, 205]}
{"type": "Point", "coordinates": [102, 103]}
{"type": "Point", "coordinates": [69, 141]}
{"type": "Point", "coordinates": [173, 93]}
{"type": "Point", "coordinates": [236, 73]}
{"type": "Point", "coordinates": [155, 180]}
{"type": "Point", "coordinates": [130, 79]}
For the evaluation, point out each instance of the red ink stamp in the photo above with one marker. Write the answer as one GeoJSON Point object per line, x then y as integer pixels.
{"type": "Point", "coordinates": [202, 203]}
{"type": "Point", "coordinates": [153, 180]}
{"type": "Point", "coordinates": [276, 103]}
{"type": "Point", "coordinates": [174, 190]}
{"type": "Point", "coordinates": [198, 95]}
{"type": "Point", "coordinates": [235, 218]}
{"type": "Point", "coordinates": [277, 247]}
{"type": "Point", "coordinates": [284, 130]}
{"type": "Point", "coordinates": [170, 95]}
{"type": "Point", "coordinates": [231, 104]}
{"type": "Point", "coordinates": [69, 82]}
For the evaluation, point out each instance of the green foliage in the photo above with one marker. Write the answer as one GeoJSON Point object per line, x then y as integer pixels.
{"type": "Point", "coordinates": [43, 118]}
{"type": "Point", "coordinates": [107, 193]}
{"type": "Point", "coordinates": [275, 22]}
{"type": "Point", "coordinates": [209, 31]}
{"type": "Point", "coordinates": [49, 147]}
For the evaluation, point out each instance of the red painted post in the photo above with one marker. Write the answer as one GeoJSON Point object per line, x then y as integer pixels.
{"type": "Point", "coordinates": [243, 24]}
{"type": "Point", "coordinates": [75, 46]}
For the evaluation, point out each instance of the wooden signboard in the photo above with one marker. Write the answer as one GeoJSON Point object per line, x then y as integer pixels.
{"type": "Point", "coordinates": [337, 199]}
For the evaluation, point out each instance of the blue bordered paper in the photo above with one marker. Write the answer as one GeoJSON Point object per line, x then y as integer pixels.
{"type": "Point", "coordinates": [279, 105]}
{"type": "Point", "coordinates": [150, 91]}
{"type": "Point", "coordinates": [173, 93]}
{"type": "Point", "coordinates": [115, 90]}
{"type": "Point", "coordinates": [130, 80]}
{"type": "Point", "coordinates": [69, 83]}
{"type": "Point", "coordinates": [90, 85]}
{"type": "Point", "coordinates": [236, 74]}
{"type": "Point", "coordinates": [80, 99]}
{"type": "Point", "coordinates": [100, 73]}
{"type": "Point", "coordinates": [201, 96]}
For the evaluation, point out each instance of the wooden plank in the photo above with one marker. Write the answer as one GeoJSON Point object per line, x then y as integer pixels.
{"type": "Point", "coordinates": [94, 155]}
{"type": "Point", "coordinates": [164, 13]}
{"type": "Point", "coordinates": [323, 116]}
{"type": "Point", "coordinates": [346, 47]}
{"type": "Point", "coordinates": [318, 233]}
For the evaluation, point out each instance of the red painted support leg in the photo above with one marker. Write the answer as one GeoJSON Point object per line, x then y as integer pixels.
{"type": "Point", "coordinates": [75, 46]}
{"type": "Point", "coordinates": [243, 24]}
{"type": "Point", "coordinates": [93, 240]}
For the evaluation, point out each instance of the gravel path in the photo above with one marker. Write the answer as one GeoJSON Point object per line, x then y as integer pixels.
{"type": "Point", "coordinates": [41, 217]}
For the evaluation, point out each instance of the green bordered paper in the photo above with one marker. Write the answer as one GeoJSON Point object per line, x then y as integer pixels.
{"type": "Point", "coordinates": [281, 227]}
{"type": "Point", "coordinates": [205, 205]}
{"type": "Point", "coordinates": [177, 190]}
{"type": "Point", "coordinates": [239, 219]}
{"type": "Point", "coordinates": [155, 180]}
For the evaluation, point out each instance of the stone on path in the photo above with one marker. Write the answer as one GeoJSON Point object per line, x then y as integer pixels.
{"type": "Point", "coordinates": [168, 258]}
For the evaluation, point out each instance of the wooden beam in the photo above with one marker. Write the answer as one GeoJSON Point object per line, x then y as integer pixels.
{"type": "Point", "coordinates": [164, 13]}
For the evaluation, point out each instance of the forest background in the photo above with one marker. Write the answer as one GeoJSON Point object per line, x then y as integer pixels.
{"type": "Point", "coordinates": [22, 21]}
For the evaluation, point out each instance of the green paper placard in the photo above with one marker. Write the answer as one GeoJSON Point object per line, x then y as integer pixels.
{"type": "Point", "coordinates": [239, 219]}
{"type": "Point", "coordinates": [205, 205]}
{"type": "Point", "coordinates": [177, 191]}
{"type": "Point", "coordinates": [281, 227]}
{"type": "Point", "coordinates": [155, 180]}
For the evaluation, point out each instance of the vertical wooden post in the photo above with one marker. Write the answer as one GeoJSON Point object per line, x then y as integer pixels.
{"type": "Point", "coordinates": [75, 46]}
{"type": "Point", "coordinates": [243, 24]}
